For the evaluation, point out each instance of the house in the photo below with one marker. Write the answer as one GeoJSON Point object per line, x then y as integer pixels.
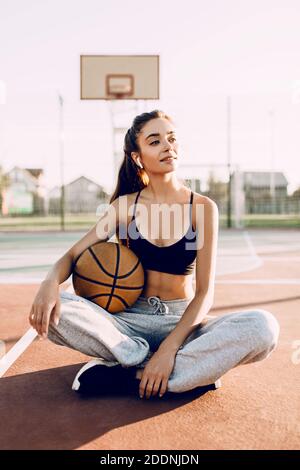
{"type": "Point", "coordinates": [252, 192]}
{"type": "Point", "coordinates": [25, 193]}
{"type": "Point", "coordinates": [264, 192]}
{"type": "Point", "coordinates": [81, 195]}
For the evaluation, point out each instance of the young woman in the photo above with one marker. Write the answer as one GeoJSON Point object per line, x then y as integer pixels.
{"type": "Point", "coordinates": [165, 342]}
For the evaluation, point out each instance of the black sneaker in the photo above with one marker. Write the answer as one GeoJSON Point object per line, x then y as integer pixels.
{"type": "Point", "coordinates": [95, 378]}
{"type": "Point", "coordinates": [195, 391]}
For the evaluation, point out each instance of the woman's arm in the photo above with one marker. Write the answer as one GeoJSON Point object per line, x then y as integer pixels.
{"type": "Point", "coordinates": [103, 230]}
{"type": "Point", "coordinates": [46, 304]}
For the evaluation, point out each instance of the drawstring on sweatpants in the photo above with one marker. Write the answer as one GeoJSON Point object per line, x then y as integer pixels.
{"type": "Point", "coordinates": [160, 307]}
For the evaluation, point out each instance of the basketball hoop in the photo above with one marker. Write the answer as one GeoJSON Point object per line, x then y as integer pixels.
{"type": "Point", "coordinates": [119, 86]}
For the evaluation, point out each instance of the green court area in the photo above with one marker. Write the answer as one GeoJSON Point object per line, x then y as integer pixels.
{"type": "Point", "coordinates": [272, 220]}
{"type": "Point", "coordinates": [86, 221]}
{"type": "Point", "coordinates": [50, 222]}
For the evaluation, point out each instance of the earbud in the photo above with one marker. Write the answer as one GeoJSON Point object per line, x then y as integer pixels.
{"type": "Point", "coordinates": [139, 162]}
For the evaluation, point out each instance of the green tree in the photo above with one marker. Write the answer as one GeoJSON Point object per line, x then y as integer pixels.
{"type": "Point", "coordinates": [296, 194]}
{"type": "Point", "coordinates": [4, 184]}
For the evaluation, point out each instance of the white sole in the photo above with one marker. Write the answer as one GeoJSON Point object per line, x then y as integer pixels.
{"type": "Point", "coordinates": [218, 383]}
{"type": "Point", "coordinates": [91, 363]}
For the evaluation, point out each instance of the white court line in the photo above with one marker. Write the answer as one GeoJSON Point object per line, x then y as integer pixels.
{"type": "Point", "coordinates": [260, 281]}
{"type": "Point", "coordinates": [7, 361]}
{"type": "Point", "coordinates": [281, 258]}
{"type": "Point", "coordinates": [15, 280]}
{"type": "Point", "coordinates": [249, 261]}
{"type": "Point", "coordinates": [252, 249]}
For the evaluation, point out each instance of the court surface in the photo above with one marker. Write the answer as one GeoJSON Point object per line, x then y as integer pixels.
{"type": "Point", "coordinates": [257, 407]}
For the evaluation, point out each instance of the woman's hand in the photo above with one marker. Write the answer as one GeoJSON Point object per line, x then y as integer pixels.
{"type": "Point", "coordinates": [156, 373]}
{"type": "Point", "coordinates": [45, 305]}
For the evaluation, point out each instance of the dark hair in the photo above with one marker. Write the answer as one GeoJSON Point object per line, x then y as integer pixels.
{"type": "Point", "coordinates": [132, 178]}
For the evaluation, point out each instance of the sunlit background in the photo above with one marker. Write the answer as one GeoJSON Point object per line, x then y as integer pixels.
{"type": "Point", "coordinates": [229, 78]}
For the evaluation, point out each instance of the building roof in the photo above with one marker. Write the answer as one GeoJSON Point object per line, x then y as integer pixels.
{"type": "Point", "coordinates": [83, 178]}
{"type": "Point", "coordinates": [261, 179]}
{"type": "Point", "coordinates": [36, 172]}
{"type": "Point", "coordinates": [26, 174]}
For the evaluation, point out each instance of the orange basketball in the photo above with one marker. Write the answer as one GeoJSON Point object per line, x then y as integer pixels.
{"type": "Point", "coordinates": [109, 274]}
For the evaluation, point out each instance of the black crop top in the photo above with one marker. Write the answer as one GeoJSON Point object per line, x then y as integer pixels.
{"type": "Point", "coordinates": [178, 258]}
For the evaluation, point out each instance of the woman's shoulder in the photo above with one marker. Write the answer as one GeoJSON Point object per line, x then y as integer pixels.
{"type": "Point", "coordinates": [209, 206]}
{"type": "Point", "coordinates": [201, 199]}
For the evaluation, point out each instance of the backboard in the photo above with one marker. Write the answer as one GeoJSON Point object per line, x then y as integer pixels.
{"type": "Point", "coordinates": [111, 77]}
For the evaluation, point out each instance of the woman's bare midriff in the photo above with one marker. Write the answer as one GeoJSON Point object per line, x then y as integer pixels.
{"type": "Point", "coordinates": [166, 286]}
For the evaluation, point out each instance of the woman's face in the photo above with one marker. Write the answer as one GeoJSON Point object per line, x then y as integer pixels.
{"type": "Point", "coordinates": [155, 148]}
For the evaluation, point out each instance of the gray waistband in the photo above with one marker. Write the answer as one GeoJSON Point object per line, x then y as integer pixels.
{"type": "Point", "coordinates": [164, 301]}
{"type": "Point", "coordinates": [147, 305]}
{"type": "Point", "coordinates": [154, 305]}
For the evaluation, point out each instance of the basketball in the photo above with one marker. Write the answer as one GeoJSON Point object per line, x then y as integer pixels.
{"type": "Point", "coordinates": [109, 274]}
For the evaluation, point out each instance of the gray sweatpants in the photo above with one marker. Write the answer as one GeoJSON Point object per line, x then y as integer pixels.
{"type": "Point", "coordinates": [130, 337]}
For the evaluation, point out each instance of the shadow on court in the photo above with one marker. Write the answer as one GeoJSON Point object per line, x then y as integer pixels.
{"type": "Point", "coordinates": [40, 411]}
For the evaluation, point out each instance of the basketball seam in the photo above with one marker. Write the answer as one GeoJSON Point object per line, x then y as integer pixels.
{"type": "Point", "coordinates": [104, 283]}
{"type": "Point", "coordinates": [116, 274]}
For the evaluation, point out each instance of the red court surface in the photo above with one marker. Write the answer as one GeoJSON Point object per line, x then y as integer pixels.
{"type": "Point", "coordinates": [257, 407]}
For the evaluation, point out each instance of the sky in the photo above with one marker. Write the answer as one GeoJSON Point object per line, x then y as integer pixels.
{"type": "Point", "coordinates": [248, 50]}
